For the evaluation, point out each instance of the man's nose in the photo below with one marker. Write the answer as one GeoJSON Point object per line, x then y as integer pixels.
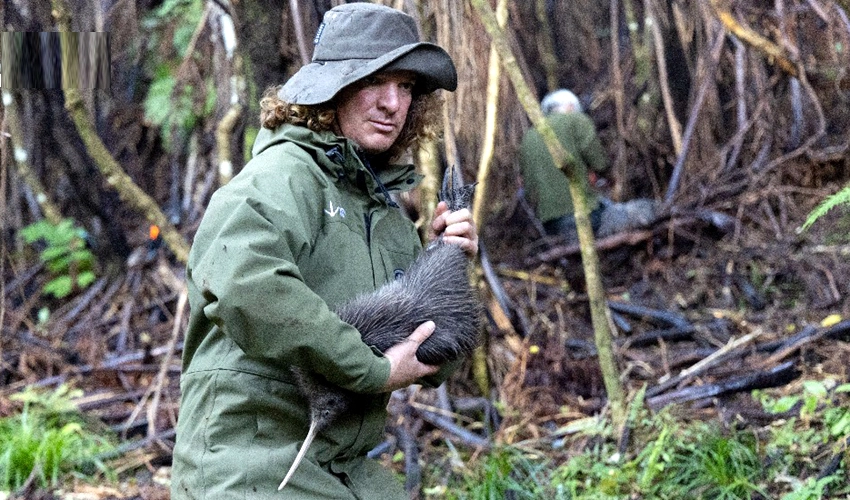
{"type": "Point", "coordinates": [390, 97]}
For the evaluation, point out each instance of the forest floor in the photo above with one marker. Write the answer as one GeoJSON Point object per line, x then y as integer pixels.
{"type": "Point", "coordinates": [757, 306]}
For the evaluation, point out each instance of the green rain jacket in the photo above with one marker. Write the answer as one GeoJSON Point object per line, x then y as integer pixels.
{"type": "Point", "coordinates": [546, 187]}
{"type": "Point", "coordinates": [302, 228]}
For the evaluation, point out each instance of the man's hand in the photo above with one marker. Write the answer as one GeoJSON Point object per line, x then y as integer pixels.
{"type": "Point", "coordinates": [456, 227]}
{"type": "Point", "coordinates": [405, 368]}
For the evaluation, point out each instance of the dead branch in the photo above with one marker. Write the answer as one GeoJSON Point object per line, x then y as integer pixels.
{"type": "Point", "coordinates": [619, 92]}
{"type": "Point", "coordinates": [707, 79]}
{"type": "Point", "coordinates": [721, 355]}
{"type": "Point", "coordinates": [469, 438]}
{"type": "Point", "coordinates": [607, 243]}
{"type": "Point", "coordinates": [839, 331]}
{"type": "Point", "coordinates": [407, 442]}
{"type": "Point", "coordinates": [129, 446]}
{"type": "Point", "coordinates": [111, 364]}
{"type": "Point", "coordinates": [494, 74]}
{"type": "Point", "coordinates": [166, 362]}
{"type": "Point", "coordinates": [772, 51]}
{"type": "Point", "coordinates": [298, 23]}
{"type": "Point", "coordinates": [736, 142]}
{"type": "Point", "coordinates": [134, 280]}
{"type": "Point", "coordinates": [196, 34]}
{"type": "Point", "coordinates": [505, 303]}
{"type": "Point", "coordinates": [807, 336]}
{"type": "Point", "coordinates": [646, 313]}
{"type": "Point", "coordinates": [671, 334]}
{"type": "Point", "coordinates": [778, 375]}
{"type": "Point", "coordinates": [661, 62]}
{"type": "Point", "coordinates": [222, 140]}
{"type": "Point", "coordinates": [834, 462]}
{"type": "Point", "coordinates": [712, 360]}
{"type": "Point", "coordinates": [77, 306]}
{"type": "Point", "coordinates": [22, 278]}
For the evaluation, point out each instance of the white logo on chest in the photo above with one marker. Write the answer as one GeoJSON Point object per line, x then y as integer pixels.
{"type": "Point", "coordinates": [333, 212]}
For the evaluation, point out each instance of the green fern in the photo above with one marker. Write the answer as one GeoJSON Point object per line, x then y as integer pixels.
{"type": "Point", "coordinates": [170, 104]}
{"type": "Point", "coordinates": [840, 198]}
{"type": "Point", "coordinates": [63, 250]}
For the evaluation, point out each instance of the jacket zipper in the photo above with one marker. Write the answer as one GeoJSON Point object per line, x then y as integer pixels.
{"type": "Point", "coordinates": [381, 188]}
{"type": "Point", "coordinates": [367, 219]}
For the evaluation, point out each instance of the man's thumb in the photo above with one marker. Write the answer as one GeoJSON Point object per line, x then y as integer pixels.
{"type": "Point", "coordinates": [423, 331]}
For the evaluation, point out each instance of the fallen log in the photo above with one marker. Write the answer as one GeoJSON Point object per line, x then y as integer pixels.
{"type": "Point", "coordinates": [778, 344]}
{"type": "Point", "coordinates": [725, 353]}
{"type": "Point", "coordinates": [653, 315]}
{"type": "Point", "coordinates": [652, 337]}
{"type": "Point", "coordinates": [682, 218]}
{"type": "Point", "coordinates": [838, 331]}
{"type": "Point", "coordinates": [832, 466]}
{"type": "Point", "coordinates": [607, 243]}
{"type": "Point", "coordinates": [467, 437]}
{"type": "Point", "coordinates": [779, 375]}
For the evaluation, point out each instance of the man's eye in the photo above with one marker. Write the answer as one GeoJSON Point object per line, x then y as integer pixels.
{"type": "Point", "coordinates": [408, 85]}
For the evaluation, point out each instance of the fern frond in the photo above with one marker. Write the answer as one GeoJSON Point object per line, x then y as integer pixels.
{"type": "Point", "coordinates": [840, 198]}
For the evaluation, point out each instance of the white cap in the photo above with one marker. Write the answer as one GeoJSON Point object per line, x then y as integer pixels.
{"type": "Point", "coordinates": [561, 100]}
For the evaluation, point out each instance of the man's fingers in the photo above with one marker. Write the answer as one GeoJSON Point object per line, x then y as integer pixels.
{"type": "Point", "coordinates": [463, 229]}
{"type": "Point", "coordinates": [466, 244]}
{"type": "Point", "coordinates": [457, 216]}
{"type": "Point", "coordinates": [445, 218]}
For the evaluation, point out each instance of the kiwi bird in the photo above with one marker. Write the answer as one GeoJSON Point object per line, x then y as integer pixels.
{"type": "Point", "coordinates": [435, 288]}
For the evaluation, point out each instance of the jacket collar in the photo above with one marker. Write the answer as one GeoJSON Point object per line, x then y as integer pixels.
{"type": "Point", "coordinates": [342, 161]}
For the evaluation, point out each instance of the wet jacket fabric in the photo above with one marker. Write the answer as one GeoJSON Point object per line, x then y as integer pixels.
{"type": "Point", "coordinates": [302, 228]}
{"type": "Point", "coordinates": [546, 187]}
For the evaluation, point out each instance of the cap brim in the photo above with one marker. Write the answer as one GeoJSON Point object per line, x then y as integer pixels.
{"type": "Point", "coordinates": [319, 81]}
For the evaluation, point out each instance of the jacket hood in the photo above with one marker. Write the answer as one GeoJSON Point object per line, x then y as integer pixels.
{"type": "Point", "coordinates": [342, 160]}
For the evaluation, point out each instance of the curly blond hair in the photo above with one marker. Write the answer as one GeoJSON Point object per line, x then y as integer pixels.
{"type": "Point", "coordinates": [422, 124]}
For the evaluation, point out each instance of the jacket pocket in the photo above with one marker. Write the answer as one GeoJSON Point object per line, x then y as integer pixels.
{"type": "Point", "coordinates": [395, 263]}
{"type": "Point", "coordinates": [368, 480]}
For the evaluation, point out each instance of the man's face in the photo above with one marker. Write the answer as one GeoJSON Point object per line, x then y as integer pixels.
{"type": "Point", "coordinates": [372, 111]}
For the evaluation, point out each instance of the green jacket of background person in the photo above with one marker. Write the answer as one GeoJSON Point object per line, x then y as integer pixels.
{"type": "Point", "coordinates": [308, 224]}
{"type": "Point", "coordinates": [545, 186]}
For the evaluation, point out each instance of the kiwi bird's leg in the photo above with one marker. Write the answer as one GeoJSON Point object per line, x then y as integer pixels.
{"type": "Point", "coordinates": [311, 434]}
{"type": "Point", "coordinates": [454, 192]}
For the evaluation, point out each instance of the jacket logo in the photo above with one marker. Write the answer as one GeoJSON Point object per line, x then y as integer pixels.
{"type": "Point", "coordinates": [334, 211]}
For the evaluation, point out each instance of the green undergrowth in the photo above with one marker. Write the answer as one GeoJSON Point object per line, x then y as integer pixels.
{"type": "Point", "coordinates": [48, 440]}
{"type": "Point", "coordinates": [670, 458]}
{"type": "Point", "coordinates": [63, 250]}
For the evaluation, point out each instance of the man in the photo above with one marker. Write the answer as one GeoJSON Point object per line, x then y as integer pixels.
{"type": "Point", "coordinates": [545, 185]}
{"type": "Point", "coordinates": [307, 225]}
